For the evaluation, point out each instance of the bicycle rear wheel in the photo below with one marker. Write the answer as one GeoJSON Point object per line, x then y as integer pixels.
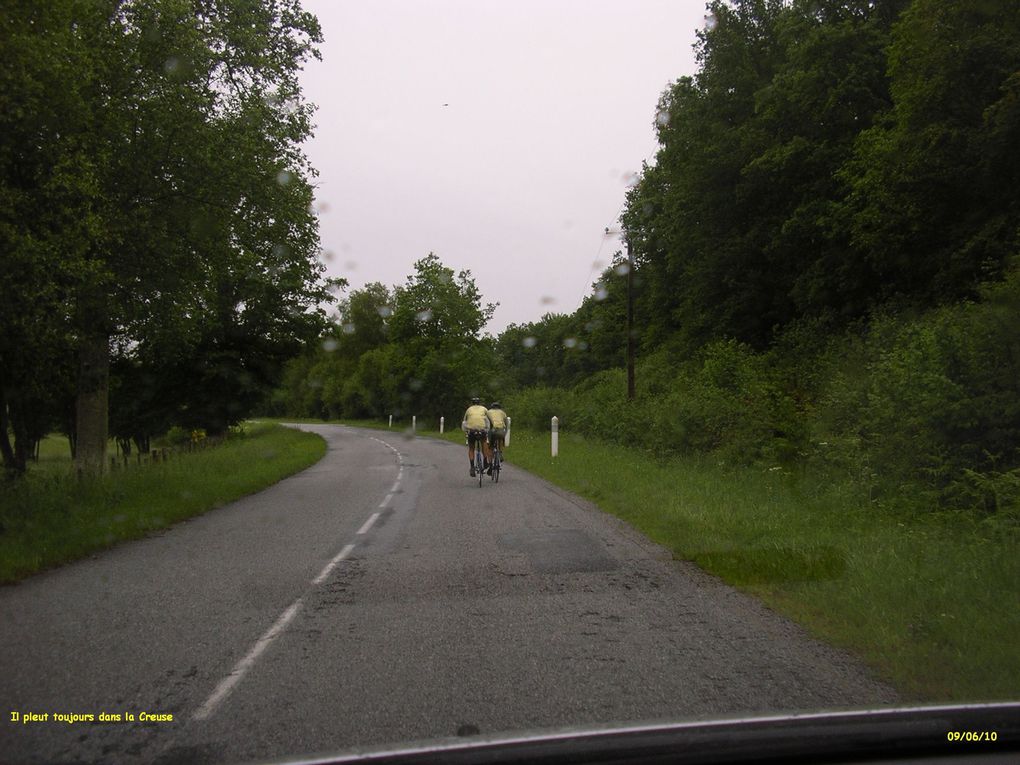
{"type": "Point", "coordinates": [497, 461]}
{"type": "Point", "coordinates": [478, 464]}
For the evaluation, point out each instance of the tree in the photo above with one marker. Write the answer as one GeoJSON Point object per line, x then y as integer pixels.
{"type": "Point", "coordinates": [177, 196]}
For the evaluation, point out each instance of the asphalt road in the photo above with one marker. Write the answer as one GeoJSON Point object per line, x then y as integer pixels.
{"type": "Point", "coordinates": [380, 597]}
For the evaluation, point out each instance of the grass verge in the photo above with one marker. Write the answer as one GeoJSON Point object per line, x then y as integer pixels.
{"type": "Point", "coordinates": [929, 601]}
{"type": "Point", "coordinates": [50, 517]}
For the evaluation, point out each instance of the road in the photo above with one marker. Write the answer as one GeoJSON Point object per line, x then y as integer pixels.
{"type": "Point", "coordinates": [381, 596]}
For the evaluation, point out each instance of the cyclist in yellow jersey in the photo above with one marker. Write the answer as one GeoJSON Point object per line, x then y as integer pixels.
{"type": "Point", "coordinates": [476, 425]}
{"type": "Point", "coordinates": [498, 427]}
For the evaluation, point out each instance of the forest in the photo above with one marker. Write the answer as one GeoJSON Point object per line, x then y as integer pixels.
{"type": "Point", "coordinates": [822, 261]}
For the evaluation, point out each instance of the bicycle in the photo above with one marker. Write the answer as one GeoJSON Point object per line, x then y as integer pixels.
{"type": "Point", "coordinates": [478, 438]}
{"type": "Point", "coordinates": [497, 461]}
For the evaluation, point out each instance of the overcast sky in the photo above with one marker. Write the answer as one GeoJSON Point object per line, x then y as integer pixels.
{"type": "Point", "coordinates": [499, 135]}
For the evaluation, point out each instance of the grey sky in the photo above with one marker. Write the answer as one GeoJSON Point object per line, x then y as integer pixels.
{"type": "Point", "coordinates": [499, 135]}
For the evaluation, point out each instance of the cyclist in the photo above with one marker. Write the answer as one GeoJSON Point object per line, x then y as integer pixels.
{"type": "Point", "coordinates": [497, 430]}
{"type": "Point", "coordinates": [476, 425]}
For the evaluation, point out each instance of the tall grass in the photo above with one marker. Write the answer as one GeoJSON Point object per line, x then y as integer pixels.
{"type": "Point", "coordinates": [51, 517]}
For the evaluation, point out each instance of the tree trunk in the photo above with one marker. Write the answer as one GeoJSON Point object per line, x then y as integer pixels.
{"type": "Point", "coordinates": [11, 463]}
{"type": "Point", "coordinates": [92, 416]}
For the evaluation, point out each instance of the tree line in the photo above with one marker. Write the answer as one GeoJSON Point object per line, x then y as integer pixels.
{"type": "Point", "coordinates": [823, 257]}
{"type": "Point", "coordinates": [158, 242]}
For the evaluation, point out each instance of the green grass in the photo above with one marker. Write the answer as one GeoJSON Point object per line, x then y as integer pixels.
{"type": "Point", "coordinates": [930, 602]}
{"type": "Point", "coordinates": [50, 517]}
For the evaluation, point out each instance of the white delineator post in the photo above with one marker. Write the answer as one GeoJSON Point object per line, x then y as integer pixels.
{"type": "Point", "coordinates": [506, 438]}
{"type": "Point", "coordinates": [555, 436]}
{"type": "Point", "coordinates": [442, 423]}
{"type": "Point", "coordinates": [391, 420]}
{"type": "Point", "coordinates": [414, 423]}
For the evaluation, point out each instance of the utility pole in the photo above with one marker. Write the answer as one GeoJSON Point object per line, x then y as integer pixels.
{"type": "Point", "coordinates": [630, 322]}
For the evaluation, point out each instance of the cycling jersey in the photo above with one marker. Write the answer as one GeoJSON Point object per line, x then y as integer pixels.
{"type": "Point", "coordinates": [498, 419]}
{"type": "Point", "coordinates": [475, 418]}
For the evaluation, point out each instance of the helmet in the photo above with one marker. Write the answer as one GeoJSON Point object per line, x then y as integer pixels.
{"type": "Point", "coordinates": [495, 405]}
{"type": "Point", "coordinates": [476, 400]}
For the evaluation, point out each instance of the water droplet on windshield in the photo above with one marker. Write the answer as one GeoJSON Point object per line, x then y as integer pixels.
{"type": "Point", "coordinates": [172, 65]}
{"type": "Point", "coordinates": [328, 256]}
{"type": "Point", "coordinates": [570, 342]}
{"type": "Point", "coordinates": [348, 328]}
{"type": "Point", "coordinates": [384, 311]}
{"type": "Point", "coordinates": [351, 265]}
{"type": "Point", "coordinates": [600, 292]}
{"type": "Point", "coordinates": [711, 22]}
{"type": "Point", "coordinates": [547, 300]}
{"type": "Point", "coordinates": [530, 342]}
{"type": "Point", "coordinates": [631, 178]}
{"type": "Point", "coordinates": [423, 315]}
{"type": "Point", "coordinates": [330, 344]}
{"type": "Point", "coordinates": [622, 269]}
{"type": "Point", "coordinates": [284, 177]}
{"type": "Point", "coordinates": [662, 118]}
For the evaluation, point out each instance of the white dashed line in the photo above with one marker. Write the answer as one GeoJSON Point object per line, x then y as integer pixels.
{"type": "Point", "coordinates": [332, 564]}
{"type": "Point", "coordinates": [242, 667]}
{"type": "Point", "coordinates": [368, 524]}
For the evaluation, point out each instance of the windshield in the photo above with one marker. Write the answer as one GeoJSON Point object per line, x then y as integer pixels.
{"type": "Point", "coordinates": [382, 372]}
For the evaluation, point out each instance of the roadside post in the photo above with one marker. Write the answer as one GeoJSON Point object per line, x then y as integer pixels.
{"type": "Point", "coordinates": [391, 421]}
{"type": "Point", "coordinates": [506, 438]}
{"type": "Point", "coordinates": [442, 423]}
{"type": "Point", "coordinates": [555, 436]}
{"type": "Point", "coordinates": [414, 423]}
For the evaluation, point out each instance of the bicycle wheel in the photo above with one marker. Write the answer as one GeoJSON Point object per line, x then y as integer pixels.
{"type": "Point", "coordinates": [497, 461]}
{"type": "Point", "coordinates": [478, 464]}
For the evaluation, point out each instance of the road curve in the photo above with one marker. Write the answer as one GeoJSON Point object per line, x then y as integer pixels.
{"type": "Point", "coordinates": [379, 597]}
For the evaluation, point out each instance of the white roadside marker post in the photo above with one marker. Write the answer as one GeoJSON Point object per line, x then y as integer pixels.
{"type": "Point", "coordinates": [506, 438]}
{"type": "Point", "coordinates": [391, 421]}
{"type": "Point", "coordinates": [414, 423]}
{"type": "Point", "coordinates": [442, 423]}
{"type": "Point", "coordinates": [555, 436]}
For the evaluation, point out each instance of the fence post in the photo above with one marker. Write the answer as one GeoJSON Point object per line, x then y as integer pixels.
{"type": "Point", "coordinates": [391, 421]}
{"type": "Point", "coordinates": [414, 424]}
{"type": "Point", "coordinates": [442, 425]}
{"type": "Point", "coordinates": [555, 436]}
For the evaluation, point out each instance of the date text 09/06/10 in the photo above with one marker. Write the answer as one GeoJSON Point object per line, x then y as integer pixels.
{"type": "Point", "coordinates": [972, 735]}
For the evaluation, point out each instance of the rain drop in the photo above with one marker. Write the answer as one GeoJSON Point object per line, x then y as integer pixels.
{"type": "Point", "coordinates": [622, 269]}
{"type": "Point", "coordinates": [631, 178]}
{"type": "Point", "coordinates": [547, 300]}
{"type": "Point", "coordinates": [330, 344]}
{"type": "Point", "coordinates": [600, 292]}
{"type": "Point", "coordinates": [348, 328]}
{"type": "Point", "coordinates": [385, 311]}
{"type": "Point", "coordinates": [570, 342]}
{"type": "Point", "coordinates": [423, 315]}
{"type": "Point", "coordinates": [351, 265]}
{"type": "Point", "coordinates": [662, 117]}
{"type": "Point", "coordinates": [530, 342]}
{"type": "Point", "coordinates": [328, 256]}
{"type": "Point", "coordinates": [711, 22]}
{"type": "Point", "coordinates": [284, 177]}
